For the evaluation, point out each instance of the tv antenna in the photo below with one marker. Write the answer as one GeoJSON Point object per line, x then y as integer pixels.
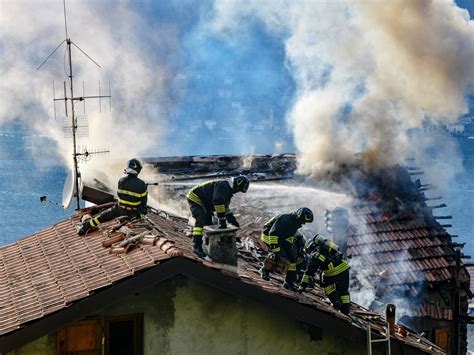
{"type": "Point", "coordinates": [75, 128]}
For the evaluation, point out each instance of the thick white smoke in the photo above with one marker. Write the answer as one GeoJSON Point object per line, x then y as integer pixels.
{"type": "Point", "coordinates": [366, 72]}
{"type": "Point", "coordinates": [120, 41]}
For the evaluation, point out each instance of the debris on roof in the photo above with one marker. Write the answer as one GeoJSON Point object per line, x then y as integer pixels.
{"type": "Point", "coordinates": [54, 268]}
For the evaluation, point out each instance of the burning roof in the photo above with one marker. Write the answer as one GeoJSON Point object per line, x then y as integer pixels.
{"type": "Point", "coordinates": [391, 228]}
{"type": "Point", "coordinates": [54, 270]}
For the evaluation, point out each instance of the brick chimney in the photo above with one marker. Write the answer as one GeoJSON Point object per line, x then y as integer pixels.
{"type": "Point", "coordinates": [337, 224]}
{"type": "Point", "coordinates": [219, 244]}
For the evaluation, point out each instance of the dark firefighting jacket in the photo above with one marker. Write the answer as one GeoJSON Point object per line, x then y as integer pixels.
{"type": "Point", "coordinates": [132, 194]}
{"type": "Point", "coordinates": [280, 231]}
{"type": "Point", "coordinates": [328, 259]}
{"type": "Point", "coordinates": [213, 195]}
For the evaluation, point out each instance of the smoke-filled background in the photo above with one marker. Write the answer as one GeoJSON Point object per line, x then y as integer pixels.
{"type": "Point", "coordinates": [325, 79]}
{"type": "Point", "coordinates": [352, 75]}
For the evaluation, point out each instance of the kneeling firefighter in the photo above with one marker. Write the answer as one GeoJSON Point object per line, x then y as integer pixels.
{"type": "Point", "coordinates": [279, 235]}
{"type": "Point", "coordinates": [132, 198]}
{"type": "Point", "coordinates": [325, 255]}
{"type": "Point", "coordinates": [209, 197]}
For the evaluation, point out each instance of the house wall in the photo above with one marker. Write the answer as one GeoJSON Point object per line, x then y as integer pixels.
{"type": "Point", "coordinates": [43, 346]}
{"type": "Point", "coordinates": [182, 316]}
{"type": "Point", "coordinates": [186, 317]}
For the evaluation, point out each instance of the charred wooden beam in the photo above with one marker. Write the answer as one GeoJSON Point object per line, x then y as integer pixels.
{"type": "Point", "coordinates": [415, 173]}
{"type": "Point", "coordinates": [443, 205]}
{"type": "Point", "coordinates": [426, 188]}
{"type": "Point", "coordinates": [456, 245]}
{"type": "Point", "coordinates": [443, 217]}
{"type": "Point", "coordinates": [432, 198]}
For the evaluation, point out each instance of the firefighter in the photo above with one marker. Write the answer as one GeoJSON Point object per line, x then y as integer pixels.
{"type": "Point", "coordinates": [209, 197]}
{"type": "Point", "coordinates": [132, 199]}
{"type": "Point", "coordinates": [325, 255]}
{"type": "Point", "coordinates": [279, 235]}
{"type": "Point", "coordinates": [299, 247]}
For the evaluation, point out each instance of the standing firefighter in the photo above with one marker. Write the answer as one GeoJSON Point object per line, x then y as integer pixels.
{"type": "Point", "coordinates": [209, 197]}
{"type": "Point", "coordinates": [325, 256]}
{"type": "Point", "coordinates": [132, 199]}
{"type": "Point", "coordinates": [279, 235]}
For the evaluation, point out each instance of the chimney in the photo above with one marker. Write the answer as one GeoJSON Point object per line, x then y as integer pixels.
{"type": "Point", "coordinates": [337, 223]}
{"type": "Point", "coordinates": [220, 245]}
{"type": "Point", "coordinates": [390, 316]}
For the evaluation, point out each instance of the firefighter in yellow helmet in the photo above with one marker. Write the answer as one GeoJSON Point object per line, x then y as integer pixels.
{"type": "Point", "coordinates": [325, 255]}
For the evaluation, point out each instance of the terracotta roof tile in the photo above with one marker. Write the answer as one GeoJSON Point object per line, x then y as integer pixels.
{"type": "Point", "coordinates": [53, 268]}
{"type": "Point", "coordinates": [424, 247]}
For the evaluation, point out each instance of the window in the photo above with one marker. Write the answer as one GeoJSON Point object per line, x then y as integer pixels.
{"type": "Point", "coordinates": [123, 335]}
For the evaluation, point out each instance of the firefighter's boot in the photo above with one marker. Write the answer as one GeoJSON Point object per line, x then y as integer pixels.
{"type": "Point", "coordinates": [290, 280]}
{"type": "Point", "coordinates": [345, 304]}
{"type": "Point", "coordinates": [345, 308]}
{"type": "Point", "coordinates": [197, 246]}
{"type": "Point", "coordinates": [81, 230]}
{"type": "Point", "coordinates": [265, 274]}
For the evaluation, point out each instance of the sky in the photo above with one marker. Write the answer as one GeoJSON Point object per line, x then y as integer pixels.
{"type": "Point", "coordinates": [326, 79]}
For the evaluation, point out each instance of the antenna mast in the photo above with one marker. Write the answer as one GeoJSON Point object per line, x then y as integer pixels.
{"type": "Point", "coordinates": [72, 99]}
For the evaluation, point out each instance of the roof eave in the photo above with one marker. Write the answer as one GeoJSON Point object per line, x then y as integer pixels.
{"type": "Point", "coordinates": [201, 273]}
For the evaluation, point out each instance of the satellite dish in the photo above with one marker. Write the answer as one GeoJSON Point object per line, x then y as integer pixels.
{"type": "Point", "coordinates": [69, 189]}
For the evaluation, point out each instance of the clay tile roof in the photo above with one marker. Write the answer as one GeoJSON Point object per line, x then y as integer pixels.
{"type": "Point", "coordinates": [49, 271]}
{"type": "Point", "coordinates": [421, 245]}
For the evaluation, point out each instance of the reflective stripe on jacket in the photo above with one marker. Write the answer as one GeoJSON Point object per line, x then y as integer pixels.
{"type": "Point", "coordinates": [132, 194]}
{"type": "Point", "coordinates": [212, 195]}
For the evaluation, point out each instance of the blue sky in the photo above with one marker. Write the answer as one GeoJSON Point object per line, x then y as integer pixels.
{"type": "Point", "coordinates": [468, 5]}
{"type": "Point", "coordinates": [242, 80]}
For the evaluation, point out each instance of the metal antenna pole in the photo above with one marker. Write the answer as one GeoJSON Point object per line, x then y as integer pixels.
{"type": "Point", "coordinates": [65, 21]}
{"type": "Point", "coordinates": [74, 124]}
{"type": "Point", "coordinates": [72, 99]}
{"type": "Point", "coordinates": [73, 116]}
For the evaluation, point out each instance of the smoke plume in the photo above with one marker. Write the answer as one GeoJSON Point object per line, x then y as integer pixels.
{"type": "Point", "coordinates": [366, 72]}
{"type": "Point", "coordinates": [136, 57]}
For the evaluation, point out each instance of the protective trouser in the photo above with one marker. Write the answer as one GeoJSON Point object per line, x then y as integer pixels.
{"type": "Point", "coordinates": [281, 249]}
{"type": "Point", "coordinates": [337, 290]}
{"type": "Point", "coordinates": [107, 215]}
{"type": "Point", "coordinates": [202, 218]}
{"type": "Point", "coordinates": [301, 266]}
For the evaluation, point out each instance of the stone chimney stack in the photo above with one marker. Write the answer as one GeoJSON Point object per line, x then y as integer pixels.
{"type": "Point", "coordinates": [220, 244]}
{"type": "Point", "coordinates": [337, 224]}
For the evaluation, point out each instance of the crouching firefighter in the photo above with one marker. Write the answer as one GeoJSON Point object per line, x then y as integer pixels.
{"type": "Point", "coordinates": [279, 235]}
{"type": "Point", "coordinates": [325, 255]}
{"type": "Point", "coordinates": [132, 199]}
{"type": "Point", "coordinates": [209, 197]}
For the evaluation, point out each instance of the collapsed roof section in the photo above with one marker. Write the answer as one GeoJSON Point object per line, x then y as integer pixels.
{"type": "Point", "coordinates": [392, 233]}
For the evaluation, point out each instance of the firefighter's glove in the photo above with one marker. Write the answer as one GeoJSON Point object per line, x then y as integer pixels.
{"type": "Point", "coordinates": [232, 220]}
{"type": "Point", "coordinates": [222, 223]}
{"type": "Point", "coordinates": [303, 286]}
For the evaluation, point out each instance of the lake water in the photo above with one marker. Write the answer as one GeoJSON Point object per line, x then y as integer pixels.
{"type": "Point", "coordinates": [29, 168]}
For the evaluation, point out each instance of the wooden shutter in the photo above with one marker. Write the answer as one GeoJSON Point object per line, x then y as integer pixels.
{"type": "Point", "coordinates": [82, 337]}
{"type": "Point", "coordinates": [442, 338]}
